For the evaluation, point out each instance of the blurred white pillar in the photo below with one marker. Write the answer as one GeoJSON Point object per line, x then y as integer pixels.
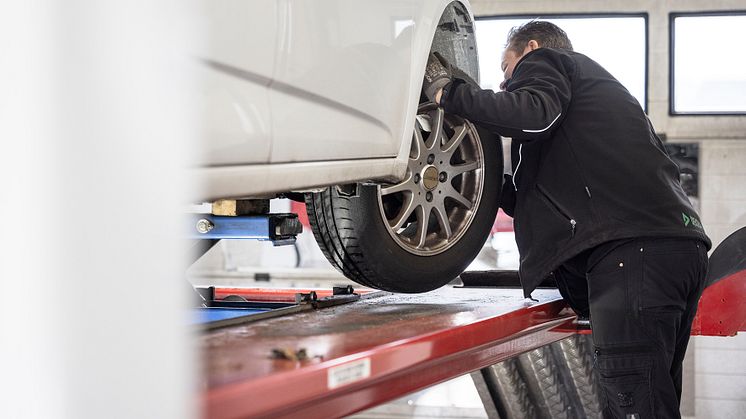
{"type": "Point", "coordinates": [95, 129]}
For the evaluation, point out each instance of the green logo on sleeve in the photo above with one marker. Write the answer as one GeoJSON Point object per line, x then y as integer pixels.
{"type": "Point", "coordinates": [690, 219]}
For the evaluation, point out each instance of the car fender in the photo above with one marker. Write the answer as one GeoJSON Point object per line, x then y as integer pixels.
{"type": "Point", "coordinates": [436, 35]}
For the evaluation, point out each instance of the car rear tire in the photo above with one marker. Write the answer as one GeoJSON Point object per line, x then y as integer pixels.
{"type": "Point", "coordinates": [374, 234]}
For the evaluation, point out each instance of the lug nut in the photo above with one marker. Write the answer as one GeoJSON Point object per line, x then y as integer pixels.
{"type": "Point", "coordinates": [416, 178]}
{"type": "Point", "coordinates": [429, 196]}
{"type": "Point", "coordinates": [430, 159]}
{"type": "Point", "coordinates": [443, 176]}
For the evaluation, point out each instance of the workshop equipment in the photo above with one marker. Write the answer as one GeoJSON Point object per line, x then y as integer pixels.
{"type": "Point", "coordinates": [374, 350]}
{"type": "Point", "coordinates": [324, 358]}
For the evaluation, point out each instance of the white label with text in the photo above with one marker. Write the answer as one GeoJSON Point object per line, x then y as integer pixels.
{"type": "Point", "coordinates": [348, 373]}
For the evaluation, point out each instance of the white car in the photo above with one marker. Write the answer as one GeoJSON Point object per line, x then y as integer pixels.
{"type": "Point", "coordinates": [321, 100]}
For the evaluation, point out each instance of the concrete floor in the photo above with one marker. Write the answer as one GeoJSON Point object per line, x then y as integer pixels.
{"type": "Point", "coordinates": [457, 398]}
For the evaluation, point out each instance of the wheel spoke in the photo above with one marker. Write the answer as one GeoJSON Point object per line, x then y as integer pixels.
{"type": "Point", "coordinates": [423, 219]}
{"type": "Point", "coordinates": [452, 193]}
{"type": "Point", "coordinates": [403, 186]}
{"type": "Point", "coordinates": [436, 124]}
{"type": "Point", "coordinates": [463, 168]}
{"type": "Point", "coordinates": [442, 216]}
{"type": "Point", "coordinates": [455, 141]}
{"type": "Point", "coordinates": [406, 210]}
{"type": "Point", "coordinates": [417, 142]}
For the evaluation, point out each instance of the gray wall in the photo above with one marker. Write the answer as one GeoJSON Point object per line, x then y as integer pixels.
{"type": "Point", "coordinates": [717, 371]}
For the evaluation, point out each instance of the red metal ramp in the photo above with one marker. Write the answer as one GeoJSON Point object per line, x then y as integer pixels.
{"type": "Point", "coordinates": [368, 352]}
{"type": "Point", "coordinates": [374, 350]}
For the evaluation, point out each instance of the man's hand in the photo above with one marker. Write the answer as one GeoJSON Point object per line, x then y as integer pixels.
{"type": "Point", "coordinates": [455, 71]}
{"type": "Point", "coordinates": [436, 78]}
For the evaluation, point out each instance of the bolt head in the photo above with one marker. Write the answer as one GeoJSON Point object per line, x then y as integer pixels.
{"type": "Point", "coordinates": [443, 176]}
{"type": "Point", "coordinates": [204, 226]}
{"type": "Point", "coordinates": [417, 178]}
{"type": "Point", "coordinates": [430, 159]}
{"type": "Point", "coordinates": [429, 196]}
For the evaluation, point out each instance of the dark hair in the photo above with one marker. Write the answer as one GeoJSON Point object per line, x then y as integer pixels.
{"type": "Point", "coordinates": [548, 35]}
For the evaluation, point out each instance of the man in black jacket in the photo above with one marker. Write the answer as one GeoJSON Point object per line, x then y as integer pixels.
{"type": "Point", "coordinates": [597, 204]}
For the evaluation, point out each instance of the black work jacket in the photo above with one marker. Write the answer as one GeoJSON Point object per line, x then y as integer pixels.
{"type": "Point", "coordinates": [588, 167]}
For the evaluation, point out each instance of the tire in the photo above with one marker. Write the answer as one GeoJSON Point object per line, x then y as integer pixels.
{"type": "Point", "coordinates": [372, 234]}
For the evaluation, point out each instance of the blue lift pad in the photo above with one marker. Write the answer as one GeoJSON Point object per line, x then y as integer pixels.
{"type": "Point", "coordinates": [208, 315]}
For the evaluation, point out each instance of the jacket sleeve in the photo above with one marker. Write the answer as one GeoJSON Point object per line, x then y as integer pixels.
{"type": "Point", "coordinates": [539, 95]}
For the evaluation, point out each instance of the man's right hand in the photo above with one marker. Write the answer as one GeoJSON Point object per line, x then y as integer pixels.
{"type": "Point", "coordinates": [436, 77]}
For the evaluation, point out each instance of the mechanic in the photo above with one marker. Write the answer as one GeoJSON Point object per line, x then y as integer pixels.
{"type": "Point", "coordinates": [598, 205]}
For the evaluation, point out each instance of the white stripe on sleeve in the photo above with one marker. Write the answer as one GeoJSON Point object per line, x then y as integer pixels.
{"type": "Point", "coordinates": [542, 130]}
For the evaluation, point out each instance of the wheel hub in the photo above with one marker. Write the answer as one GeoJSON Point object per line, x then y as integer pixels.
{"type": "Point", "coordinates": [430, 178]}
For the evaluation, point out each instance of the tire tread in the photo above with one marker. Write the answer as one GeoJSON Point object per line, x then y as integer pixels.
{"type": "Point", "coordinates": [335, 241]}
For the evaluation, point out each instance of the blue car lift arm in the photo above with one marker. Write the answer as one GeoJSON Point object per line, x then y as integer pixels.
{"type": "Point", "coordinates": [280, 229]}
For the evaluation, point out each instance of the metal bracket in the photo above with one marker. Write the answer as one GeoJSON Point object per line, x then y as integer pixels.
{"type": "Point", "coordinates": [340, 295]}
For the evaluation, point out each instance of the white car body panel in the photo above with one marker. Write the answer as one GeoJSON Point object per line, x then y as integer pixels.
{"type": "Point", "coordinates": [242, 37]}
{"type": "Point", "coordinates": [346, 59]}
{"type": "Point", "coordinates": [263, 179]}
{"type": "Point", "coordinates": [342, 99]}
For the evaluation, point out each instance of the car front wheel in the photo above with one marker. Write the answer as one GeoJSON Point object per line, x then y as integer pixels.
{"type": "Point", "coordinates": [418, 234]}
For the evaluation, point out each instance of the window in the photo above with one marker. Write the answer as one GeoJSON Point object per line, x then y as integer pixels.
{"type": "Point", "coordinates": [708, 65]}
{"type": "Point", "coordinates": [617, 42]}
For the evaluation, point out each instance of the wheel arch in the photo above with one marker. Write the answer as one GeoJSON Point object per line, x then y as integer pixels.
{"type": "Point", "coordinates": [454, 37]}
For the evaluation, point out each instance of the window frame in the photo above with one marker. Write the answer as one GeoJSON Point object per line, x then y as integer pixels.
{"type": "Point", "coordinates": [672, 65]}
{"type": "Point", "coordinates": [590, 15]}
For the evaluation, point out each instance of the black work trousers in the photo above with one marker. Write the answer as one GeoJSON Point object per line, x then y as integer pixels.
{"type": "Point", "coordinates": [642, 296]}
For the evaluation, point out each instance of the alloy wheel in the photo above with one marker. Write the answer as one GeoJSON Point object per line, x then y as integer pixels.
{"type": "Point", "coordinates": [434, 205]}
